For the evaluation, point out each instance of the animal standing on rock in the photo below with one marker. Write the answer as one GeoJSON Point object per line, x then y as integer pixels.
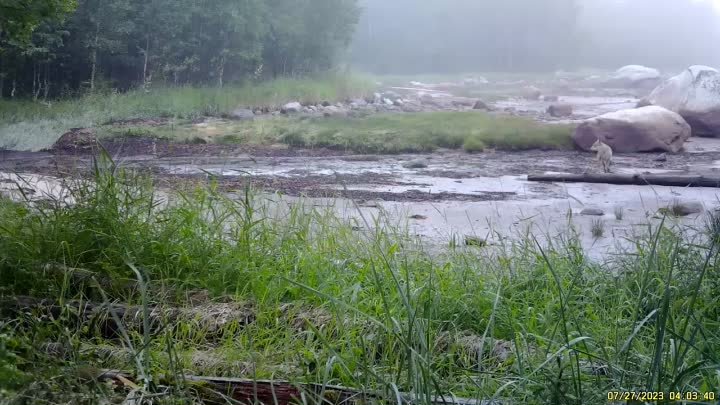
{"type": "Point", "coordinates": [604, 154]}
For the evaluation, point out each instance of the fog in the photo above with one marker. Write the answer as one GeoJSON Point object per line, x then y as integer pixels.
{"type": "Point", "coordinates": [446, 36]}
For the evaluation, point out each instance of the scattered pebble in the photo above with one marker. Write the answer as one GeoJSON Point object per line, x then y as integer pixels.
{"type": "Point", "coordinates": [415, 164]}
{"type": "Point", "coordinates": [475, 241]}
{"type": "Point", "coordinates": [682, 209]}
{"type": "Point", "coordinates": [480, 105]}
{"type": "Point", "coordinates": [595, 212]}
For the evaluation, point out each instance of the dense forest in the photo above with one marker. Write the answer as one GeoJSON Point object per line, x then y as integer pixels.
{"type": "Point", "coordinates": [51, 48]}
{"type": "Point", "coordinates": [445, 36]}
{"type": "Point", "coordinates": [62, 47]}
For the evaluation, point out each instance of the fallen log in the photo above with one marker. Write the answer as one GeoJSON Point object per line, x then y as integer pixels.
{"type": "Point", "coordinates": [247, 391]}
{"type": "Point", "coordinates": [630, 179]}
{"type": "Point", "coordinates": [286, 393]}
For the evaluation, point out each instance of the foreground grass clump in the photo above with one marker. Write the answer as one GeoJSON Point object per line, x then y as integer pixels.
{"type": "Point", "coordinates": [322, 302]}
{"type": "Point", "coordinates": [378, 133]}
{"type": "Point", "coordinates": [35, 125]}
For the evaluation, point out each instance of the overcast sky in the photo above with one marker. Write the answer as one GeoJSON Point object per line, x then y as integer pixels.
{"type": "Point", "coordinates": [439, 36]}
{"type": "Point", "coordinates": [716, 3]}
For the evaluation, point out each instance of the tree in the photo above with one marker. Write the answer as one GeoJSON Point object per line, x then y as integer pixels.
{"type": "Point", "coordinates": [305, 35]}
{"type": "Point", "coordinates": [19, 18]}
{"type": "Point", "coordinates": [127, 43]}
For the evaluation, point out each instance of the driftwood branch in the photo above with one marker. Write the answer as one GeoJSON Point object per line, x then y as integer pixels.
{"type": "Point", "coordinates": [630, 179]}
{"type": "Point", "coordinates": [286, 393]}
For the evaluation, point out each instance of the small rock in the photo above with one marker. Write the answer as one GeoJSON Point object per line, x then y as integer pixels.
{"type": "Point", "coordinates": [480, 105]}
{"type": "Point", "coordinates": [333, 111]}
{"type": "Point", "coordinates": [326, 104]}
{"type": "Point", "coordinates": [683, 209]}
{"type": "Point", "coordinates": [475, 241]}
{"type": "Point", "coordinates": [462, 101]}
{"type": "Point", "coordinates": [76, 140]}
{"type": "Point", "coordinates": [399, 102]}
{"type": "Point", "coordinates": [551, 98]}
{"type": "Point", "coordinates": [357, 103]}
{"type": "Point", "coordinates": [595, 212]}
{"type": "Point", "coordinates": [415, 164]}
{"type": "Point", "coordinates": [411, 108]}
{"type": "Point", "coordinates": [290, 108]}
{"type": "Point", "coordinates": [418, 217]}
{"type": "Point", "coordinates": [242, 114]}
{"type": "Point", "coordinates": [361, 112]}
{"type": "Point", "coordinates": [391, 95]}
{"type": "Point", "coordinates": [532, 93]}
{"type": "Point", "coordinates": [387, 101]}
{"type": "Point", "coordinates": [370, 204]}
{"type": "Point", "coordinates": [427, 99]}
{"type": "Point", "coordinates": [560, 110]}
{"type": "Point", "coordinates": [661, 158]}
{"type": "Point", "coordinates": [475, 81]}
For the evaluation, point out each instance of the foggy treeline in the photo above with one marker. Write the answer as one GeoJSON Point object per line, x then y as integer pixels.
{"type": "Point", "coordinates": [67, 46]}
{"type": "Point", "coordinates": [443, 36]}
{"type": "Point", "coordinates": [125, 43]}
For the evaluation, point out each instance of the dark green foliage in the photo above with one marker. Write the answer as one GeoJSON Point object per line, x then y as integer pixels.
{"type": "Point", "coordinates": [18, 18]}
{"type": "Point", "coordinates": [126, 43]}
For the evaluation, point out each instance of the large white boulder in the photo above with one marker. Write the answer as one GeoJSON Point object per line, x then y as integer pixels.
{"type": "Point", "coordinates": [646, 129]}
{"type": "Point", "coordinates": [635, 76]}
{"type": "Point", "coordinates": [695, 95]}
{"type": "Point", "coordinates": [291, 108]}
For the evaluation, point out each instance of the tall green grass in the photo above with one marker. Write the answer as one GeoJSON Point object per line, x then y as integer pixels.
{"type": "Point", "coordinates": [27, 125]}
{"type": "Point", "coordinates": [531, 323]}
{"type": "Point", "coordinates": [378, 133]}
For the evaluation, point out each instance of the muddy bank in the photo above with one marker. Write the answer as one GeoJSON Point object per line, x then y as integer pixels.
{"type": "Point", "coordinates": [443, 175]}
{"type": "Point", "coordinates": [451, 195]}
